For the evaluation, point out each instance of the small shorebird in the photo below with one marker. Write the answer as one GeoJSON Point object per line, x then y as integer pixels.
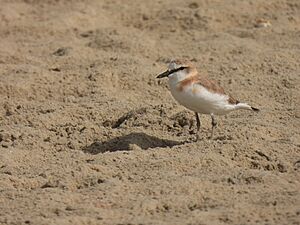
{"type": "Point", "coordinates": [198, 93]}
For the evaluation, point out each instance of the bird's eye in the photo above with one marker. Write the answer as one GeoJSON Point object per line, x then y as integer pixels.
{"type": "Point", "coordinates": [182, 68]}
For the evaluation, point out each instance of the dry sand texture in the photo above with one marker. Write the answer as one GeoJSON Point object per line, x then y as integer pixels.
{"type": "Point", "coordinates": [89, 136]}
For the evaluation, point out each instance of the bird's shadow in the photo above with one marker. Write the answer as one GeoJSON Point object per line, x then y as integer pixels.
{"type": "Point", "coordinates": [126, 142]}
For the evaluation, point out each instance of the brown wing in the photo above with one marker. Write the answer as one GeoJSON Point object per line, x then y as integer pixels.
{"type": "Point", "coordinates": [213, 86]}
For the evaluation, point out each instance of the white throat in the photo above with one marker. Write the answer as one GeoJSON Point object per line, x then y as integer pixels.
{"type": "Point", "coordinates": [176, 77]}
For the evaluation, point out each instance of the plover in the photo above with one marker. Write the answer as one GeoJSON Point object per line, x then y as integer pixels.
{"type": "Point", "coordinates": [198, 93]}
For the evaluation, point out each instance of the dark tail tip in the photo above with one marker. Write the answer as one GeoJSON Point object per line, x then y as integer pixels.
{"type": "Point", "coordinates": [255, 109]}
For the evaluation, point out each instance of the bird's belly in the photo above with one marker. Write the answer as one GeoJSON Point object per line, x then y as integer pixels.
{"type": "Point", "coordinates": [202, 101]}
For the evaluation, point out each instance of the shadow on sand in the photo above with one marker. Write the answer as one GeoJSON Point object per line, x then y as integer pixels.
{"type": "Point", "coordinates": [122, 143]}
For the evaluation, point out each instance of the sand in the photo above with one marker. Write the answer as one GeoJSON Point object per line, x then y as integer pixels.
{"type": "Point", "coordinates": [88, 135]}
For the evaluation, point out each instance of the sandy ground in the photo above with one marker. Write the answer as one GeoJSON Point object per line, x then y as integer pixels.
{"type": "Point", "coordinates": [89, 136]}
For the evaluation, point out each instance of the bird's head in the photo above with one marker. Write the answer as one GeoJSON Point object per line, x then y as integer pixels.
{"type": "Point", "coordinates": [178, 69]}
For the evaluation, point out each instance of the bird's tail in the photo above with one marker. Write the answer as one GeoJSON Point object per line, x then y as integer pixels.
{"type": "Point", "coordinates": [246, 106]}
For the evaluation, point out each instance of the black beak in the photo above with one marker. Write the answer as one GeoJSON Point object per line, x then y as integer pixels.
{"type": "Point", "coordinates": [168, 72]}
{"type": "Point", "coordinates": [164, 74]}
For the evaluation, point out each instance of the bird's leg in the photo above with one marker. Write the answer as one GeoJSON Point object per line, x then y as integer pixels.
{"type": "Point", "coordinates": [198, 121]}
{"type": "Point", "coordinates": [213, 124]}
{"type": "Point", "coordinates": [198, 125]}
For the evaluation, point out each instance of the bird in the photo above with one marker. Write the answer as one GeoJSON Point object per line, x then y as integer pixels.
{"type": "Point", "coordinates": [200, 94]}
